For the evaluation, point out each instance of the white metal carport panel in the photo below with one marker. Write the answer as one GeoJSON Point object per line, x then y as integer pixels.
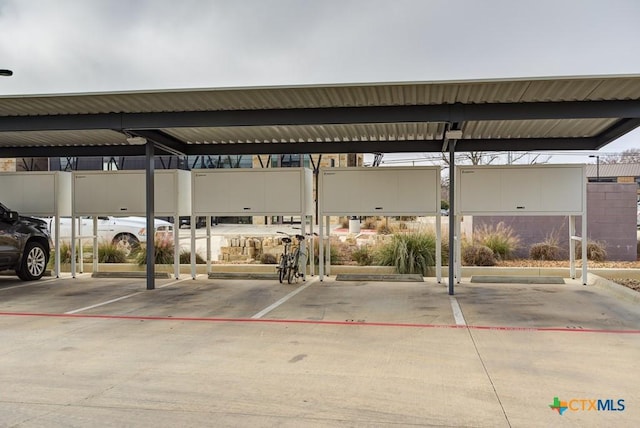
{"type": "Point", "coordinates": [521, 190]}
{"type": "Point", "coordinates": [284, 182]}
{"type": "Point", "coordinates": [409, 180]}
{"type": "Point", "coordinates": [344, 190]}
{"type": "Point", "coordinates": [122, 193]}
{"type": "Point", "coordinates": [109, 193]}
{"type": "Point", "coordinates": [172, 192]}
{"type": "Point", "coordinates": [482, 189]}
{"type": "Point", "coordinates": [46, 193]}
{"type": "Point", "coordinates": [278, 191]}
{"type": "Point", "coordinates": [380, 191]}
{"type": "Point", "coordinates": [567, 195]}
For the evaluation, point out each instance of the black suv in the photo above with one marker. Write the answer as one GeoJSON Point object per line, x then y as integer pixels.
{"type": "Point", "coordinates": [24, 244]}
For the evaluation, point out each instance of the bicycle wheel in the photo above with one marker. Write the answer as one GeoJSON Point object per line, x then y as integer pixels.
{"type": "Point", "coordinates": [293, 267]}
{"type": "Point", "coordinates": [282, 268]}
{"type": "Point", "coordinates": [290, 274]}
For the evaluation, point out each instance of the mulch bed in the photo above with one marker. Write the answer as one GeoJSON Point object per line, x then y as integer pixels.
{"type": "Point", "coordinates": [633, 284]}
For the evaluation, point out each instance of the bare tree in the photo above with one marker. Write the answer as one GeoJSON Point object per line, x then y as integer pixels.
{"type": "Point", "coordinates": [627, 156]}
{"type": "Point", "coordinates": [488, 158]}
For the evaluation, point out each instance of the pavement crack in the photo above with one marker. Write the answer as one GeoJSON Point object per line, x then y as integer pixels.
{"type": "Point", "coordinates": [486, 371]}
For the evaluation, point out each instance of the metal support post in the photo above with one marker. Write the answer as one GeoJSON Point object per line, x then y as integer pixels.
{"type": "Point", "coordinates": [327, 255]}
{"type": "Point", "coordinates": [176, 242]}
{"type": "Point", "coordinates": [95, 243]}
{"type": "Point", "coordinates": [321, 248]}
{"type": "Point", "coordinates": [150, 204]}
{"type": "Point", "coordinates": [193, 246]}
{"type": "Point", "coordinates": [207, 218]}
{"type": "Point", "coordinates": [452, 214]}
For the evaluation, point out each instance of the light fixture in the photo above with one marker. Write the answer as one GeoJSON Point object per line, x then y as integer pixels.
{"type": "Point", "coordinates": [597, 166]}
{"type": "Point", "coordinates": [137, 141]}
{"type": "Point", "coordinates": [6, 73]}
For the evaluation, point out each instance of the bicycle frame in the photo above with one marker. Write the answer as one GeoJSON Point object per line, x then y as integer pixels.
{"type": "Point", "coordinates": [293, 265]}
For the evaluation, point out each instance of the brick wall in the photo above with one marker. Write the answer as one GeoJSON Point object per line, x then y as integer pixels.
{"type": "Point", "coordinates": [611, 219]}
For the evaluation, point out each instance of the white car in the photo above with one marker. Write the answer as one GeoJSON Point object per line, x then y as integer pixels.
{"type": "Point", "coordinates": [125, 232]}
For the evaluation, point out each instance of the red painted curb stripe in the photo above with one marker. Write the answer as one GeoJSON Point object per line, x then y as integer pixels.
{"type": "Point", "coordinates": [316, 322]}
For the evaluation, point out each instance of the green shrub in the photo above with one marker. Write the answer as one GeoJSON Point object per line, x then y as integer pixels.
{"type": "Point", "coordinates": [335, 252]}
{"type": "Point", "coordinates": [370, 223]}
{"type": "Point", "coordinates": [65, 253]}
{"type": "Point", "coordinates": [163, 253]}
{"type": "Point", "coordinates": [444, 248]}
{"type": "Point", "coordinates": [595, 251]}
{"type": "Point", "coordinates": [185, 258]}
{"type": "Point", "coordinates": [549, 249]}
{"type": "Point", "coordinates": [268, 259]}
{"type": "Point", "coordinates": [383, 228]}
{"type": "Point", "coordinates": [409, 253]}
{"type": "Point", "coordinates": [478, 255]}
{"type": "Point", "coordinates": [363, 256]}
{"type": "Point", "coordinates": [501, 239]}
{"type": "Point", "coordinates": [110, 253]}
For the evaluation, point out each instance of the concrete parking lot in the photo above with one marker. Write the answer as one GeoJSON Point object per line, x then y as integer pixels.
{"type": "Point", "coordinates": [87, 352]}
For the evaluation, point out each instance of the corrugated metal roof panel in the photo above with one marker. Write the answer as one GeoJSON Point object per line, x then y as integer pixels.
{"type": "Point", "coordinates": [535, 128]}
{"type": "Point", "coordinates": [614, 170]}
{"type": "Point", "coordinates": [315, 133]}
{"type": "Point", "coordinates": [61, 138]}
{"type": "Point", "coordinates": [382, 94]}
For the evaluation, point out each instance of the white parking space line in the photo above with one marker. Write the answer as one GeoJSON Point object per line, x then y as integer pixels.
{"type": "Point", "coordinates": [120, 298]}
{"type": "Point", "coordinates": [268, 309]}
{"type": "Point", "coordinates": [86, 308]}
{"type": "Point", "coordinates": [457, 312]}
{"type": "Point", "coordinates": [27, 284]}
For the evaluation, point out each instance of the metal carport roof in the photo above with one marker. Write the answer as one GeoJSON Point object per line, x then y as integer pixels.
{"type": "Point", "coordinates": [569, 113]}
{"type": "Point", "coordinates": [562, 113]}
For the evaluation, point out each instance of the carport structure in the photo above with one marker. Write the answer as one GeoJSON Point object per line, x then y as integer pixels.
{"type": "Point", "coordinates": [566, 113]}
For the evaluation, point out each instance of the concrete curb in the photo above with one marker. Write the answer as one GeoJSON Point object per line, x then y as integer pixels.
{"type": "Point", "coordinates": [618, 290]}
{"type": "Point", "coordinates": [123, 274]}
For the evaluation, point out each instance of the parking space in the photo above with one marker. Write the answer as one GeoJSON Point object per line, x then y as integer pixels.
{"type": "Point", "coordinates": [329, 353]}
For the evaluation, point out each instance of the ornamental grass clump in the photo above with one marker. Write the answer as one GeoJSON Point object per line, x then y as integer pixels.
{"type": "Point", "coordinates": [500, 238]}
{"type": "Point", "coordinates": [363, 255]}
{"type": "Point", "coordinates": [110, 253]}
{"type": "Point", "coordinates": [409, 253]}
{"type": "Point", "coordinates": [185, 258]}
{"type": "Point", "coordinates": [549, 249]}
{"type": "Point", "coordinates": [163, 249]}
{"type": "Point", "coordinates": [478, 255]}
{"type": "Point", "coordinates": [595, 251]}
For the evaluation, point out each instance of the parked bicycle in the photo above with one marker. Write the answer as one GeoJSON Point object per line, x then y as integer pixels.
{"type": "Point", "coordinates": [292, 264]}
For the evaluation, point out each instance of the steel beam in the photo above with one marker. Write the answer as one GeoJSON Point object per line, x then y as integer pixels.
{"type": "Point", "coordinates": [411, 146]}
{"type": "Point", "coordinates": [323, 116]}
{"type": "Point", "coordinates": [616, 131]}
{"type": "Point", "coordinates": [70, 151]}
{"type": "Point", "coordinates": [525, 144]}
{"type": "Point", "coordinates": [164, 141]}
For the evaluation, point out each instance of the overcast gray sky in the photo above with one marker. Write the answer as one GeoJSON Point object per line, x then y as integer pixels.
{"type": "Point", "coordinates": [56, 46]}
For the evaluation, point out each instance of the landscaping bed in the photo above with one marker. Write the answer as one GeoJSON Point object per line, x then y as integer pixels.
{"type": "Point", "coordinates": [631, 283]}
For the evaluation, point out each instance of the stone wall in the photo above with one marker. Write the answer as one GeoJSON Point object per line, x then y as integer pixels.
{"type": "Point", "coordinates": [7, 165]}
{"type": "Point", "coordinates": [241, 249]}
{"type": "Point", "coordinates": [611, 220]}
